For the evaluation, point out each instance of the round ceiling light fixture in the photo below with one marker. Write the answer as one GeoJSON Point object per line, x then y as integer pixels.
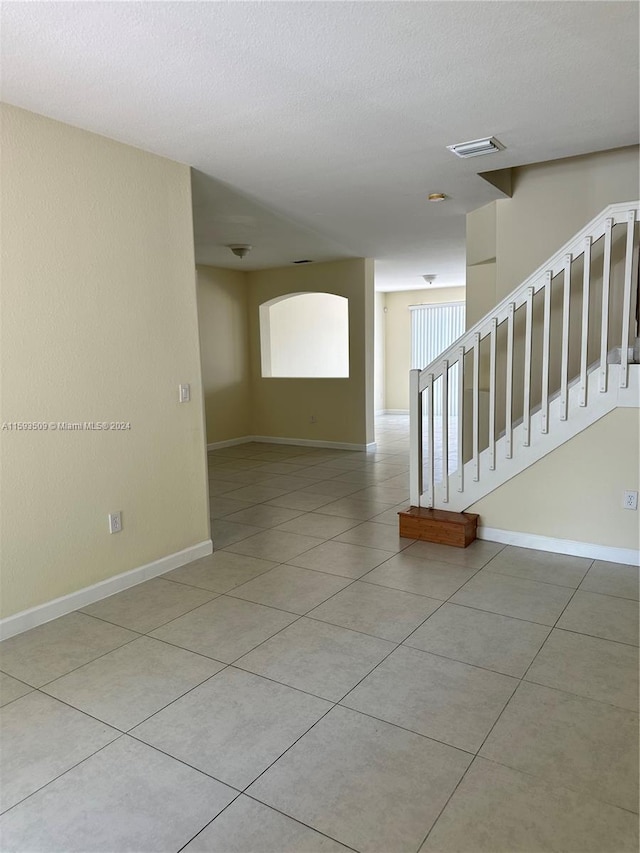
{"type": "Point", "coordinates": [429, 279]}
{"type": "Point", "coordinates": [436, 196]}
{"type": "Point", "coordinates": [240, 249]}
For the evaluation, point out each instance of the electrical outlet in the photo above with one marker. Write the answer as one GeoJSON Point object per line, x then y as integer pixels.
{"type": "Point", "coordinates": [184, 393]}
{"type": "Point", "coordinates": [313, 419]}
{"type": "Point", "coordinates": [115, 522]}
{"type": "Point", "coordinates": [630, 500]}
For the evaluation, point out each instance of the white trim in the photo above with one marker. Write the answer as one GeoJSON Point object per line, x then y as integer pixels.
{"type": "Point", "coordinates": [297, 442]}
{"type": "Point", "coordinates": [229, 442]}
{"type": "Point", "coordinates": [12, 625]}
{"type": "Point", "coordinates": [309, 442]}
{"type": "Point", "coordinates": [593, 551]}
{"type": "Point", "coordinates": [395, 412]}
{"type": "Point", "coordinates": [436, 304]}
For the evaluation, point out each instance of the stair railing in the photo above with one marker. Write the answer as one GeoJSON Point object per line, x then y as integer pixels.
{"type": "Point", "coordinates": [501, 322]}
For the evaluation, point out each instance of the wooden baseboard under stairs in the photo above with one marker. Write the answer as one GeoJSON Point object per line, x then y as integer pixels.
{"type": "Point", "coordinates": [438, 525]}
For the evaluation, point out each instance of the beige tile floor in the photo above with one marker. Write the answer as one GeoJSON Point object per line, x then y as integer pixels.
{"type": "Point", "coordinates": [320, 684]}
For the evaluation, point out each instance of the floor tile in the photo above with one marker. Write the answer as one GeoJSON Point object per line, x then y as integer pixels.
{"type": "Point", "coordinates": [569, 741]}
{"type": "Point", "coordinates": [532, 565]}
{"type": "Point", "coordinates": [129, 684]}
{"type": "Point", "coordinates": [291, 588]}
{"type": "Point", "coordinates": [375, 536]}
{"type": "Point", "coordinates": [149, 605]}
{"type": "Point", "coordinates": [224, 629]}
{"type": "Point", "coordinates": [256, 493]}
{"type": "Point", "coordinates": [359, 509]}
{"type": "Point", "coordinates": [612, 579]}
{"type": "Point", "coordinates": [274, 545]}
{"type": "Point", "coordinates": [264, 515]}
{"type": "Point", "coordinates": [220, 507]}
{"type": "Point", "coordinates": [484, 639]}
{"type": "Point", "coordinates": [42, 738]}
{"type": "Point", "coordinates": [589, 666]}
{"type": "Point", "coordinates": [522, 599]}
{"type": "Point", "coordinates": [339, 558]}
{"type": "Point", "coordinates": [425, 577]}
{"type": "Point", "coordinates": [247, 826]}
{"type": "Point", "coordinates": [224, 532]}
{"type": "Point", "coordinates": [221, 487]}
{"type": "Point", "coordinates": [602, 616]}
{"type": "Point", "coordinates": [333, 488]}
{"type": "Point", "coordinates": [390, 516]}
{"type": "Point", "coordinates": [321, 659]}
{"type": "Point", "coordinates": [304, 501]}
{"type": "Point", "coordinates": [53, 649]}
{"type": "Point", "coordinates": [443, 699]}
{"type": "Point", "coordinates": [160, 805]}
{"type": "Point", "coordinates": [499, 810]}
{"type": "Point", "coordinates": [11, 689]}
{"type": "Point", "coordinates": [233, 726]}
{"type": "Point", "coordinates": [220, 571]}
{"type": "Point", "coordinates": [386, 613]}
{"type": "Point", "coordinates": [475, 556]}
{"type": "Point", "coordinates": [363, 782]}
{"type": "Point", "coordinates": [315, 524]}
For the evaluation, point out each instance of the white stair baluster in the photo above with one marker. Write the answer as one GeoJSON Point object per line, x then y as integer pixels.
{"type": "Point", "coordinates": [509, 384]}
{"type": "Point", "coordinates": [604, 329]}
{"type": "Point", "coordinates": [431, 444]}
{"type": "Point", "coordinates": [415, 438]}
{"type": "Point", "coordinates": [526, 405]}
{"type": "Point", "coordinates": [492, 394]}
{"type": "Point", "coordinates": [626, 305]}
{"type": "Point", "coordinates": [584, 341]}
{"type": "Point", "coordinates": [445, 431]}
{"type": "Point", "coordinates": [546, 339]}
{"type": "Point", "coordinates": [476, 406]}
{"type": "Point", "coordinates": [564, 370]}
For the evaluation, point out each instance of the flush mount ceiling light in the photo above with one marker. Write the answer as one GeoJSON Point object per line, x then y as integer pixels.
{"type": "Point", "coordinates": [429, 279]}
{"type": "Point", "coordinates": [436, 196]}
{"type": "Point", "coordinates": [476, 147]}
{"type": "Point", "coordinates": [240, 249]}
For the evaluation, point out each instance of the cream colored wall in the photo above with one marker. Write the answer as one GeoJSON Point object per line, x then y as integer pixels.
{"type": "Point", "coordinates": [576, 491]}
{"type": "Point", "coordinates": [398, 338]}
{"type": "Point", "coordinates": [224, 347]}
{"type": "Point", "coordinates": [99, 323]}
{"type": "Point", "coordinates": [551, 202]}
{"type": "Point", "coordinates": [380, 349]}
{"type": "Point", "coordinates": [284, 407]}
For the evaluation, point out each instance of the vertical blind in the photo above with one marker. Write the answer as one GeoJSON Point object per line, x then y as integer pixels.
{"type": "Point", "coordinates": [433, 329]}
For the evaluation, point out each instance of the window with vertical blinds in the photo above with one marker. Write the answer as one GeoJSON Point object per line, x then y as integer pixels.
{"type": "Point", "coordinates": [433, 329]}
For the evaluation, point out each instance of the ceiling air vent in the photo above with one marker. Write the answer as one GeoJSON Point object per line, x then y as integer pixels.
{"type": "Point", "coordinates": [476, 147]}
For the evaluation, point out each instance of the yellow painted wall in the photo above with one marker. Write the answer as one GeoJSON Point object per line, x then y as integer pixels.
{"type": "Point", "coordinates": [343, 408]}
{"type": "Point", "coordinates": [99, 323]}
{"type": "Point", "coordinates": [576, 491]}
{"type": "Point", "coordinates": [224, 348]}
{"type": "Point", "coordinates": [551, 202]}
{"type": "Point", "coordinates": [398, 338]}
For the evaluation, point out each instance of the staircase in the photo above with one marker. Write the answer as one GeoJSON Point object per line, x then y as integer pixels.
{"type": "Point", "coordinates": [558, 353]}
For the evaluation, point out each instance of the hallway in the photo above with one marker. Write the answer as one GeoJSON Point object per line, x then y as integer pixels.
{"type": "Point", "coordinates": [320, 684]}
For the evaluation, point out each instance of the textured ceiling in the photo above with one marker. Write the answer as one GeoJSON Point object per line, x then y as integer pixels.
{"type": "Point", "coordinates": [316, 129]}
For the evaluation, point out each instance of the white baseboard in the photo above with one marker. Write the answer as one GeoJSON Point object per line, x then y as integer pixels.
{"type": "Point", "coordinates": [298, 442]}
{"type": "Point", "coordinates": [230, 442]}
{"type": "Point", "coordinates": [12, 625]}
{"type": "Point", "coordinates": [592, 551]}
{"type": "Point", "coordinates": [395, 412]}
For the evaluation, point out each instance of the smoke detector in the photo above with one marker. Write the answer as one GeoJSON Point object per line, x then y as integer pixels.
{"type": "Point", "coordinates": [240, 249]}
{"type": "Point", "coordinates": [476, 147]}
